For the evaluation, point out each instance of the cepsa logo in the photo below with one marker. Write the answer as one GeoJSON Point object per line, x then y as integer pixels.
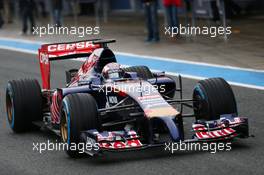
{"type": "Point", "coordinates": [71, 46]}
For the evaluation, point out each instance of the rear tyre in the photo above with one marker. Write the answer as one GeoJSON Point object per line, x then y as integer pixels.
{"type": "Point", "coordinates": [23, 104]}
{"type": "Point", "coordinates": [142, 71]}
{"type": "Point", "coordinates": [79, 113]}
{"type": "Point", "coordinates": [214, 97]}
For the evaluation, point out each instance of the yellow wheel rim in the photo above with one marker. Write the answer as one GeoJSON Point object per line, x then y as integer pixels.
{"type": "Point", "coordinates": [9, 108]}
{"type": "Point", "coordinates": [64, 127]}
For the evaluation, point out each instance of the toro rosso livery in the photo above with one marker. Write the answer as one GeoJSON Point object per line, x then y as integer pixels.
{"type": "Point", "coordinates": [119, 108]}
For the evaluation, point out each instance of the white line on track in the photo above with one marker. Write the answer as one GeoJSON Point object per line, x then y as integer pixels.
{"type": "Point", "coordinates": [148, 57]}
{"type": "Point", "coordinates": [151, 57]}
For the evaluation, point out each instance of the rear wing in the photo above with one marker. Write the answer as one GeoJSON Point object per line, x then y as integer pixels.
{"type": "Point", "coordinates": [62, 51]}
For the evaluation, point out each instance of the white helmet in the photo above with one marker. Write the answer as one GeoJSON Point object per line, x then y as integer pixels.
{"type": "Point", "coordinates": [112, 71]}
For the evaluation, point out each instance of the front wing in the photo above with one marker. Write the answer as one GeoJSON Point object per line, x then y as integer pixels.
{"type": "Point", "coordinates": [226, 128]}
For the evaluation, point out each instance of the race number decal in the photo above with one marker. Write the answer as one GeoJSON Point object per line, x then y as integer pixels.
{"type": "Point", "coordinates": [112, 99]}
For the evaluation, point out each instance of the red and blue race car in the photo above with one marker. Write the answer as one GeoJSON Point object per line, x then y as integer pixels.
{"type": "Point", "coordinates": [117, 108]}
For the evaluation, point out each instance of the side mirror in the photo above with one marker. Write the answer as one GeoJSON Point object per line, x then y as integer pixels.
{"type": "Point", "coordinates": [132, 75]}
{"type": "Point", "coordinates": [159, 74]}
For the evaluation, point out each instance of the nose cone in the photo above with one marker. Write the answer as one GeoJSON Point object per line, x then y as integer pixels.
{"type": "Point", "coordinates": [161, 112]}
{"type": "Point", "coordinates": [171, 126]}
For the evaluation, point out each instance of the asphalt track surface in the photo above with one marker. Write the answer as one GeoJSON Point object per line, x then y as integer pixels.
{"type": "Point", "coordinates": [17, 156]}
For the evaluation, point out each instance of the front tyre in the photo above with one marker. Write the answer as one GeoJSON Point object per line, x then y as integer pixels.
{"type": "Point", "coordinates": [23, 104]}
{"type": "Point", "coordinates": [213, 97]}
{"type": "Point", "coordinates": [79, 113]}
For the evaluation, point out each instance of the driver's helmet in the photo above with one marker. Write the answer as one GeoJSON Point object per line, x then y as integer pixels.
{"type": "Point", "coordinates": [112, 71]}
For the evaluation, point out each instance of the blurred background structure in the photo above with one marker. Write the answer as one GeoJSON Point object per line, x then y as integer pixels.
{"type": "Point", "coordinates": [105, 8]}
{"type": "Point", "coordinates": [125, 21]}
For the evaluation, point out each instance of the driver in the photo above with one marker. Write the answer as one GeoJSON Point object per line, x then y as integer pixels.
{"type": "Point", "coordinates": [113, 71]}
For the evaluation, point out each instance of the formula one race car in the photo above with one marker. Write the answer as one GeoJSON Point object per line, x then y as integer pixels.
{"type": "Point", "coordinates": [116, 108]}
